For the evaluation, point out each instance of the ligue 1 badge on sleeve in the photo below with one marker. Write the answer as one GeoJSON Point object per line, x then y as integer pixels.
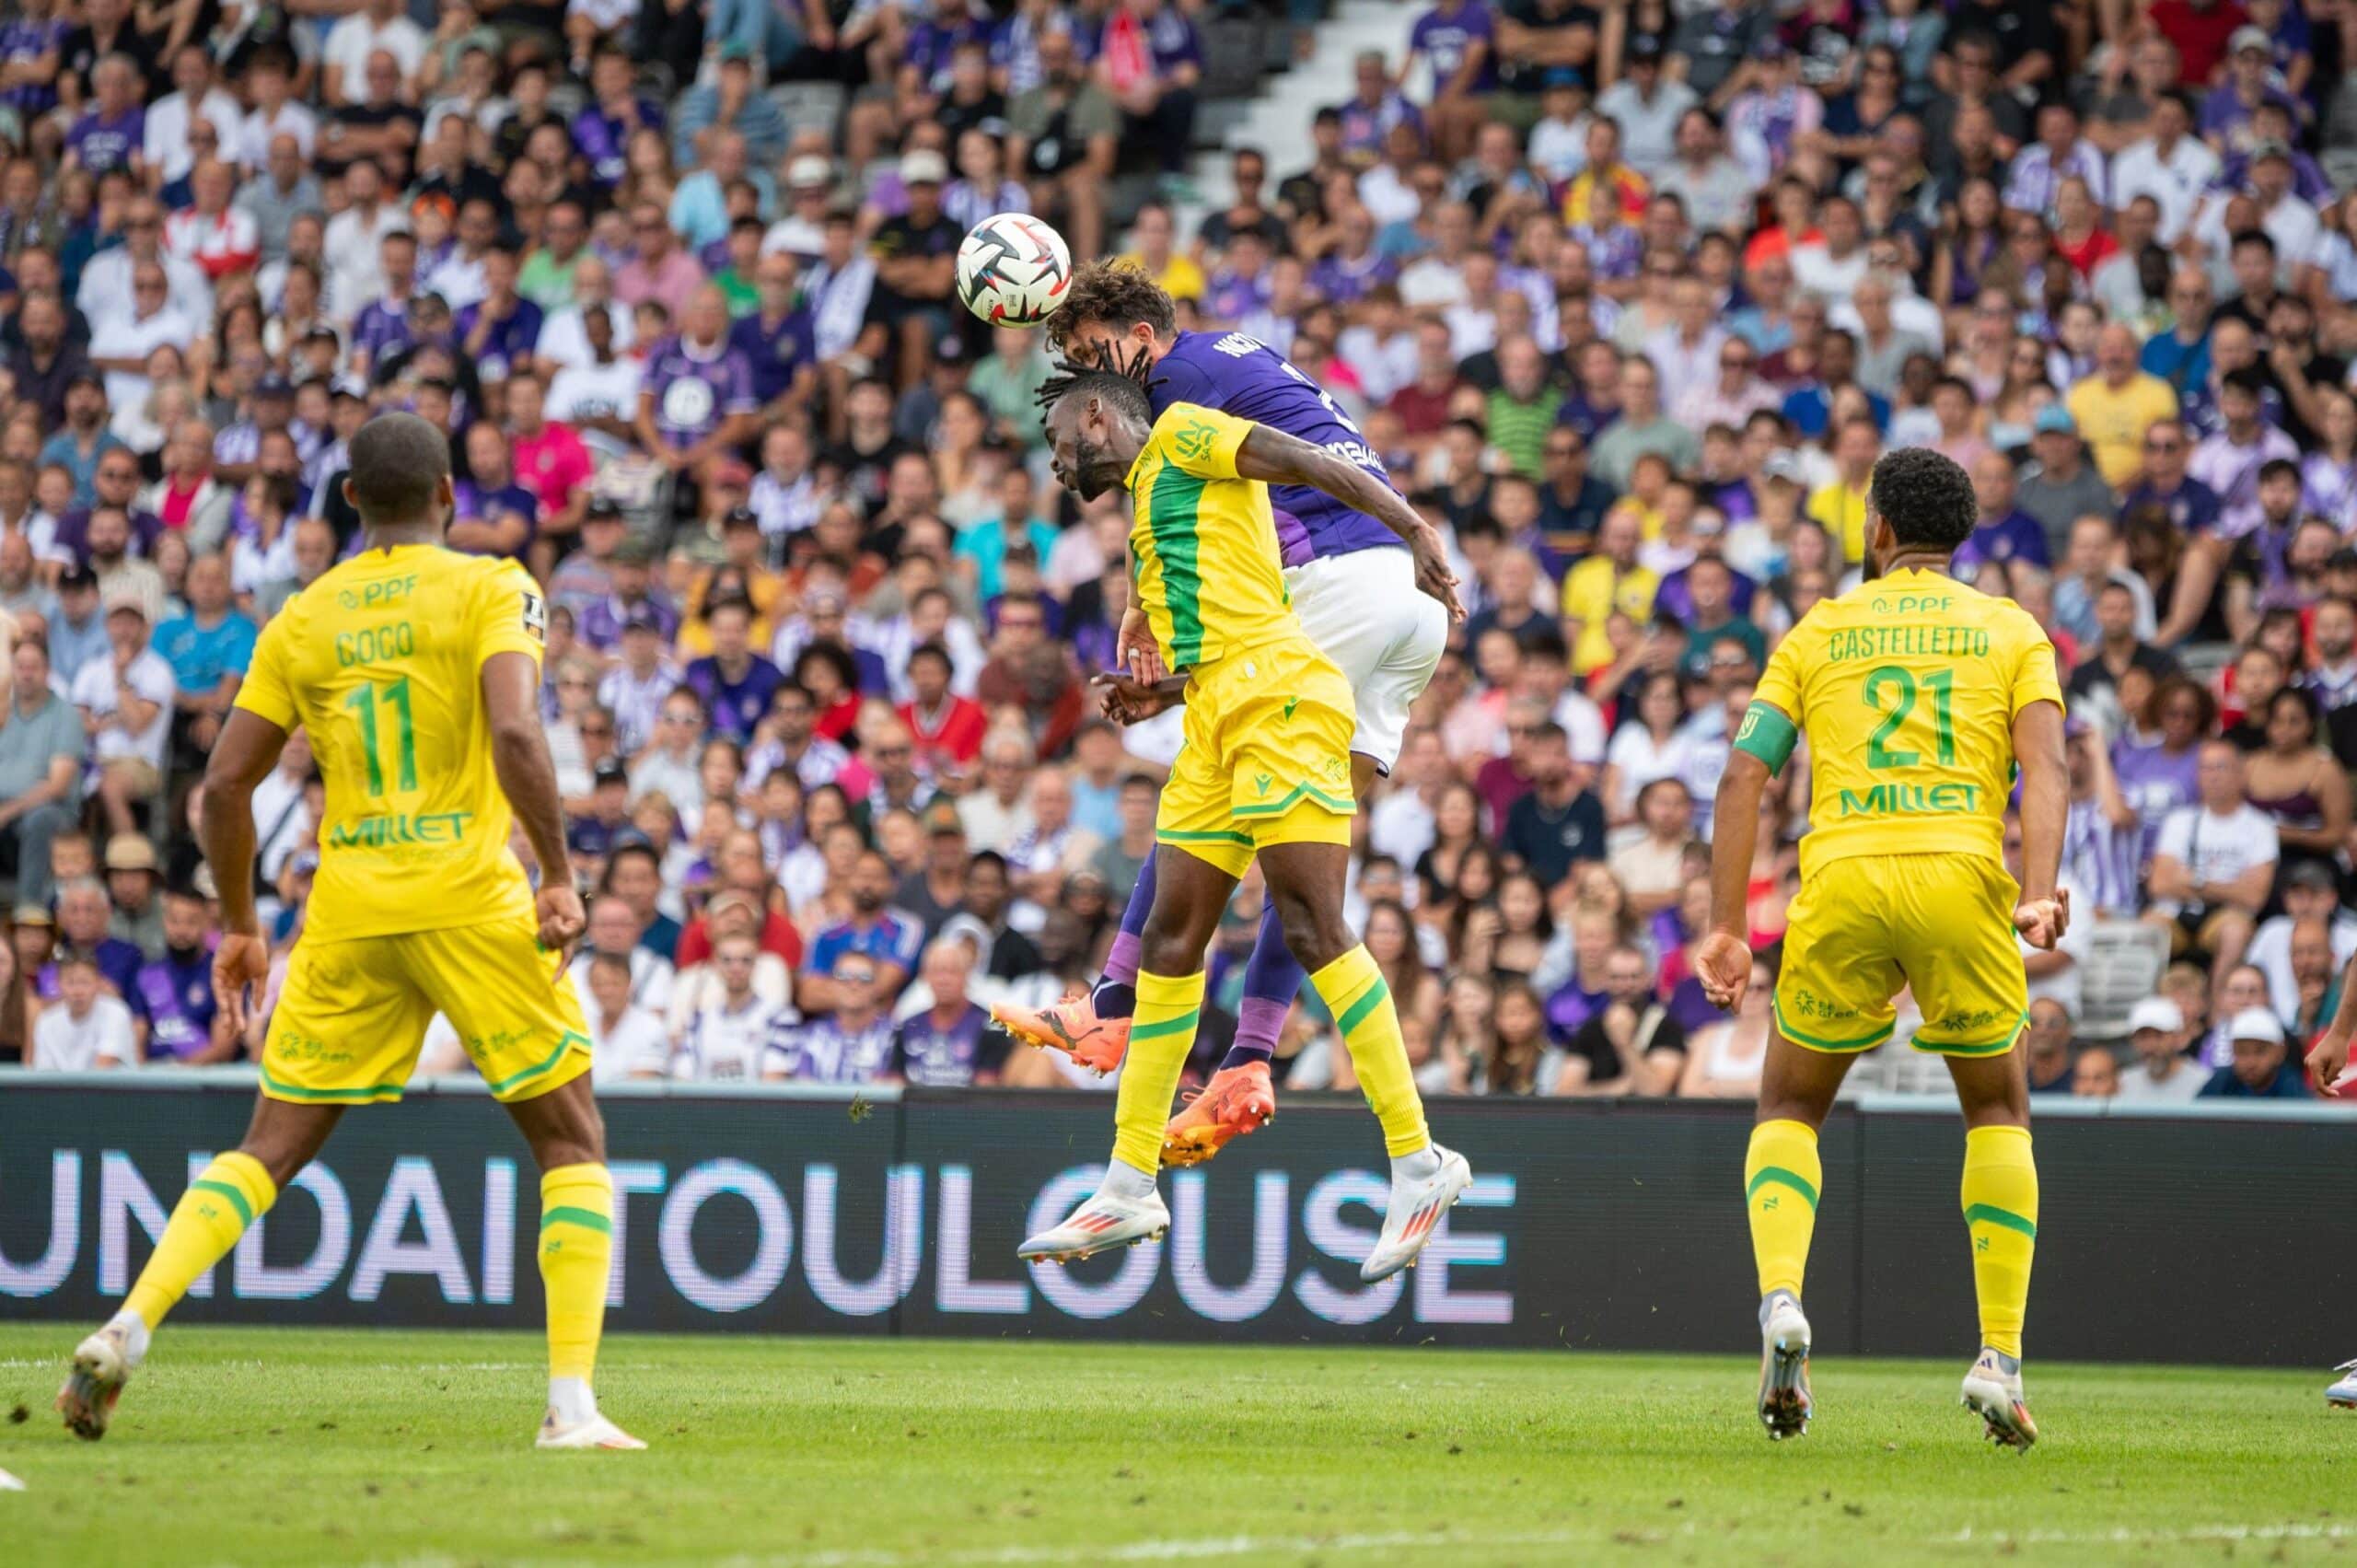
{"type": "Point", "coordinates": [535, 616]}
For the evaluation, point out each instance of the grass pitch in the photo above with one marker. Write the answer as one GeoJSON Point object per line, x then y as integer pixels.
{"type": "Point", "coordinates": [301, 1448]}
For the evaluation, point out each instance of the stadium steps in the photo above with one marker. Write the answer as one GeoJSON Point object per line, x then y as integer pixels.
{"type": "Point", "coordinates": [1277, 119]}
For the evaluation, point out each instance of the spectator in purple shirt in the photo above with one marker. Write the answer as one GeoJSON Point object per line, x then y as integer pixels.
{"type": "Point", "coordinates": [601, 130]}
{"type": "Point", "coordinates": [1455, 40]}
{"type": "Point", "coordinates": [1375, 109]}
{"type": "Point", "coordinates": [495, 516]}
{"type": "Point", "coordinates": [499, 330]}
{"type": "Point", "coordinates": [697, 400]}
{"type": "Point", "coordinates": [933, 40]}
{"type": "Point", "coordinates": [602, 619]}
{"type": "Point", "coordinates": [30, 46]}
{"type": "Point", "coordinates": [110, 134]}
{"type": "Point", "coordinates": [735, 683]}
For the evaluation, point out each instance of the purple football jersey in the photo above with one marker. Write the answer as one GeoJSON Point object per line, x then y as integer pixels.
{"type": "Point", "coordinates": [1245, 378]}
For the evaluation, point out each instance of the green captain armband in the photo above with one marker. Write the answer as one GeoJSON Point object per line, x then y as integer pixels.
{"type": "Point", "coordinates": [1766, 735]}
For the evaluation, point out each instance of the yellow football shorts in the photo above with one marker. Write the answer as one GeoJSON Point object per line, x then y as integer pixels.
{"type": "Point", "coordinates": [1267, 758]}
{"type": "Point", "coordinates": [1940, 924]}
{"type": "Point", "coordinates": [352, 1015]}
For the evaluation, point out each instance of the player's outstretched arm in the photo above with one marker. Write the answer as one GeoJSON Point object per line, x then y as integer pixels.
{"type": "Point", "coordinates": [2328, 1058]}
{"type": "Point", "coordinates": [519, 755]}
{"type": "Point", "coordinates": [2044, 914]}
{"type": "Point", "coordinates": [243, 755]}
{"type": "Point", "coordinates": [1276, 457]}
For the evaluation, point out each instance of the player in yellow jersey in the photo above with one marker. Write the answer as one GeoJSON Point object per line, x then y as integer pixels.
{"type": "Point", "coordinates": [1265, 772]}
{"type": "Point", "coordinates": [1919, 696]}
{"type": "Point", "coordinates": [415, 672]}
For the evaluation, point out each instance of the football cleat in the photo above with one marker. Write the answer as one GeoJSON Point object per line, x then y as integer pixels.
{"type": "Point", "coordinates": [1236, 1101]}
{"type": "Point", "coordinates": [1784, 1402]}
{"type": "Point", "coordinates": [1992, 1391]}
{"type": "Point", "coordinates": [1106, 1220]}
{"type": "Point", "coordinates": [1415, 1208]}
{"type": "Point", "coordinates": [102, 1366]}
{"type": "Point", "coordinates": [596, 1433]}
{"type": "Point", "coordinates": [2343, 1394]}
{"type": "Point", "coordinates": [1072, 1026]}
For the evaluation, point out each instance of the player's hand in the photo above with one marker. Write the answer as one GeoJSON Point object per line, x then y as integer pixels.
{"type": "Point", "coordinates": [1128, 701]}
{"type": "Point", "coordinates": [1137, 649]}
{"type": "Point", "coordinates": [562, 922]}
{"type": "Point", "coordinates": [1722, 963]}
{"type": "Point", "coordinates": [241, 961]}
{"type": "Point", "coordinates": [2327, 1060]}
{"type": "Point", "coordinates": [2042, 922]}
{"type": "Point", "coordinates": [1432, 575]}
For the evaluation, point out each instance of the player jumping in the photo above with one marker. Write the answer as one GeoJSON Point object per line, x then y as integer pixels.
{"type": "Point", "coordinates": [415, 672]}
{"type": "Point", "coordinates": [1917, 696]}
{"type": "Point", "coordinates": [2329, 1075]}
{"type": "Point", "coordinates": [1356, 593]}
{"type": "Point", "coordinates": [1265, 772]}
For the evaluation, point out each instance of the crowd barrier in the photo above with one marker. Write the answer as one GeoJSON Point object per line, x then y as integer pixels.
{"type": "Point", "coordinates": [2163, 1234]}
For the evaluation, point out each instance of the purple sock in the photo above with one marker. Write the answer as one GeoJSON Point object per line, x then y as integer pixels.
{"type": "Point", "coordinates": [1116, 994]}
{"type": "Point", "coordinates": [1271, 980]}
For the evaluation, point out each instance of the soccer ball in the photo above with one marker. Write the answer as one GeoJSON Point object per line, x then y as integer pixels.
{"type": "Point", "coordinates": [1013, 270]}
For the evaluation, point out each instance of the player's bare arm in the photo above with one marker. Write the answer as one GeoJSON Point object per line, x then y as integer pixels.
{"type": "Point", "coordinates": [1278, 458]}
{"type": "Point", "coordinates": [519, 755]}
{"type": "Point", "coordinates": [2328, 1058]}
{"type": "Point", "coordinates": [244, 756]}
{"type": "Point", "coordinates": [2044, 913]}
{"type": "Point", "coordinates": [1723, 961]}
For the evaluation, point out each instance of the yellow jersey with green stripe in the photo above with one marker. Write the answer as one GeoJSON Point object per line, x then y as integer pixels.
{"type": "Point", "coordinates": [381, 662]}
{"type": "Point", "coordinates": [1907, 687]}
{"type": "Point", "coordinates": [1203, 557]}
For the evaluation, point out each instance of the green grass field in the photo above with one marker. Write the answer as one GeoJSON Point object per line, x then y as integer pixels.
{"type": "Point", "coordinates": [286, 1446]}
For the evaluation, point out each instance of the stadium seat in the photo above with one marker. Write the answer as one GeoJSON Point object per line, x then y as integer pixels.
{"type": "Point", "coordinates": [2122, 966]}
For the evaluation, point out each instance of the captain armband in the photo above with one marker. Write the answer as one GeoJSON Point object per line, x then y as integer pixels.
{"type": "Point", "coordinates": [1766, 735]}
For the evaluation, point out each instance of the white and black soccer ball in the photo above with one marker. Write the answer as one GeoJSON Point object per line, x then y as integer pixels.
{"type": "Point", "coordinates": [1013, 270]}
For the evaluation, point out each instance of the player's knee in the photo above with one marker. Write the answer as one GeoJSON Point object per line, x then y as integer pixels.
{"type": "Point", "coordinates": [1316, 934]}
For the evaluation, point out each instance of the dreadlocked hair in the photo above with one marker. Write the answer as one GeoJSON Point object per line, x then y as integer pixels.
{"type": "Point", "coordinates": [1121, 383]}
{"type": "Point", "coordinates": [1113, 293]}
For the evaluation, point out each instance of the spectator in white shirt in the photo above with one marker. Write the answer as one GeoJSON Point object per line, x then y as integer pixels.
{"type": "Point", "coordinates": [270, 87]}
{"type": "Point", "coordinates": [726, 1037]}
{"type": "Point", "coordinates": [2215, 863]}
{"type": "Point", "coordinates": [126, 700]}
{"type": "Point", "coordinates": [164, 139]}
{"type": "Point", "coordinates": [626, 1039]}
{"type": "Point", "coordinates": [120, 344]}
{"type": "Point", "coordinates": [105, 289]}
{"type": "Point", "coordinates": [378, 24]}
{"type": "Point", "coordinates": [87, 1030]}
{"type": "Point", "coordinates": [355, 241]}
{"type": "Point", "coordinates": [2172, 166]}
{"type": "Point", "coordinates": [2163, 1073]}
{"type": "Point", "coordinates": [614, 933]}
{"type": "Point", "coordinates": [2308, 894]}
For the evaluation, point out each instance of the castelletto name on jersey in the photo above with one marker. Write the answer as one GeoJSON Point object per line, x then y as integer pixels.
{"type": "Point", "coordinates": [413, 828]}
{"type": "Point", "coordinates": [1892, 799]}
{"type": "Point", "coordinates": [1900, 642]}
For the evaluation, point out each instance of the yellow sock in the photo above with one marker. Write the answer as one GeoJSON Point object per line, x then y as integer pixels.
{"type": "Point", "coordinates": [1352, 989]}
{"type": "Point", "coordinates": [1162, 1033]}
{"type": "Point", "coordinates": [576, 1251]}
{"type": "Point", "coordinates": [1781, 1181]}
{"type": "Point", "coordinates": [234, 1191]}
{"type": "Point", "coordinates": [2000, 1212]}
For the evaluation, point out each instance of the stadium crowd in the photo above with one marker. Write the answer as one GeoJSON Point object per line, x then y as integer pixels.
{"type": "Point", "coordinates": [1629, 300]}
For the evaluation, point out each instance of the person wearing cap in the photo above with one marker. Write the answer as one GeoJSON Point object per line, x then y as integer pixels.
{"type": "Point", "coordinates": [2249, 81]}
{"type": "Point", "coordinates": [2061, 487]}
{"type": "Point", "coordinates": [2163, 1073]}
{"type": "Point", "coordinates": [2262, 1068]}
{"type": "Point", "coordinates": [2311, 899]}
{"type": "Point", "coordinates": [916, 255]}
{"type": "Point", "coordinates": [126, 701]}
{"type": "Point", "coordinates": [41, 746]}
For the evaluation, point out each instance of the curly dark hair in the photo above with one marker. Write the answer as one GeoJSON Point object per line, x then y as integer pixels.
{"type": "Point", "coordinates": [1926, 496]}
{"type": "Point", "coordinates": [1113, 293]}
{"type": "Point", "coordinates": [1121, 383]}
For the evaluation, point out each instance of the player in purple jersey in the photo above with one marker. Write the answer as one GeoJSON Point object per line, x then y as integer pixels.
{"type": "Point", "coordinates": [1376, 600]}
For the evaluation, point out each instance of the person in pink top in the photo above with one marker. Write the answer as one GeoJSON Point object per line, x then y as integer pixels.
{"type": "Point", "coordinates": [551, 462]}
{"type": "Point", "coordinates": [659, 269]}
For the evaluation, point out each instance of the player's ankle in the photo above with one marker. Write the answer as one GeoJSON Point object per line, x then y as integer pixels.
{"type": "Point", "coordinates": [571, 1400]}
{"type": "Point", "coordinates": [1417, 1165]}
{"type": "Point", "coordinates": [136, 1334]}
{"type": "Point", "coordinates": [1123, 1180]}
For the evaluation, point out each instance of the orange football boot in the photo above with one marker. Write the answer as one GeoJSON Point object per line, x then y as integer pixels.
{"type": "Point", "coordinates": [1072, 1026]}
{"type": "Point", "coordinates": [1236, 1101]}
